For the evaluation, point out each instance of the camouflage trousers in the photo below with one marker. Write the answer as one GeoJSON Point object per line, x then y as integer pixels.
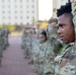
{"type": "Point", "coordinates": [1, 50]}
{"type": "Point", "coordinates": [39, 68]}
{"type": "Point", "coordinates": [26, 51]}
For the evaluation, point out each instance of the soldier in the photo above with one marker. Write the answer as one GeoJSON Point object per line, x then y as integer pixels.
{"type": "Point", "coordinates": [6, 33]}
{"type": "Point", "coordinates": [53, 36]}
{"type": "Point", "coordinates": [26, 42]}
{"type": "Point", "coordinates": [67, 60]}
{"type": "Point", "coordinates": [46, 56]}
{"type": "Point", "coordinates": [1, 44]}
{"type": "Point", "coordinates": [24, 38]}
{"type": "Point", "coordinates": [35, 51]}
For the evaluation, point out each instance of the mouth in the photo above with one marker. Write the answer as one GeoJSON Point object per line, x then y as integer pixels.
{"type": "Point", "coordinates": [61, 38]}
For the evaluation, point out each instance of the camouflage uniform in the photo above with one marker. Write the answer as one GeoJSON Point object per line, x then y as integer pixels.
{"type": "Point", "coordinates": [53, 38]}
{"type": "Point", "coordinates": [27, 45]}
{"type": "Point", "coordinates": [24, 38]}
{"type": "Point", "coordinates": [30, 43]}
{"type": "Point", "coordinates": [5, 30]}
{"type": "Point", "coordinates": [66, 61]}
{"type": "Point", "coordinates": [46, 55]}
{"type": "Point", "coordinates": [1, 43]}
{"type": "Point", "coordinates": [35, 54]}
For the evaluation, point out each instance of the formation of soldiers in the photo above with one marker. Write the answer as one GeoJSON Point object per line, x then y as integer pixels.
{"type": "Point", "coordinates": [51, 50]}
{"type": "Point", "coordinates": [4, 43]}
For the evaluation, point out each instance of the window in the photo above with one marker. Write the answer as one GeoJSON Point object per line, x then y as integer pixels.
{"type": "Point", "coordinates": [3, 17]}
{"type": "Point", "coordinates": [8, 0]}
{"type": "Point", "coordinates": [9, 6]}
{"type": "Point", "coordinates": [9, 12]}
{"type": "Point", "coordinates": [15, 17]}
{"type": "Point", "coordinates": [27, 6]}
{"type": "Point", "coordinates": [15, 11]}
{"type": "Point", "coordinates": [27, 11]}
{"type": "Point", "coordinates": [9, 17]}
{"type": "Point", "coordinates": [21, 11]}
{"type": "Point", "coordinates": [32, 6]}
{"type": "Point", "coordinates": [15, 6]}
{"type": "Point", "coordinates": [21, 6]}
{"type": "Point", "coordinates": [27, 0]}
{"type": "Point", "coordinates": [32, 11]}
{"type": "Point", "coordinates": [27, 17]}
{"type": "Point", "coordinates": [3, 6]}
{"type": "Point", "coordinates": [20, 0]}
{"type": "Point", "coordinates": [3, 12]}
{"type": "Point", "coordinates": [32, 0]}
{"type": "Point", "coordinates": [21, 17]}
{"type": "Point", "coordinates": [3, 0]}
{"type": "Point", "coordinates": [15, 0]}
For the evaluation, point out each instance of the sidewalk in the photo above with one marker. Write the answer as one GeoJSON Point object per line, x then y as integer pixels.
{"type": "Point", "coordinates": [13, 62]}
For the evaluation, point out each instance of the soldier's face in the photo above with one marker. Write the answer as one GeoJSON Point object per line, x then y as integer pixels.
{"type": "Point", "coordinates": [66, 30]}
{"type": "Point", "coordinates": [43, 38]}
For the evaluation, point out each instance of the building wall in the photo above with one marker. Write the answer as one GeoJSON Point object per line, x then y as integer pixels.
{"type": "Point", "coordinates": [18, 11]}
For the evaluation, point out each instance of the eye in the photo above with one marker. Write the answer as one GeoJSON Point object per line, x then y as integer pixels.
{"type": "Point", "coordinates": [61, 25]}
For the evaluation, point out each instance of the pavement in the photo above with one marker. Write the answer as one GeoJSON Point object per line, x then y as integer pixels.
{"type": "Point", "coordinates": [13, 61]}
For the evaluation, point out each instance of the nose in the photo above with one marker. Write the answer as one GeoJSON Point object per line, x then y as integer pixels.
{"type": "Point", "coordinates": [59, 31]}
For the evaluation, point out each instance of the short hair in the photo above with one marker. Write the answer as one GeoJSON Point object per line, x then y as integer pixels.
{"type": "Point", "coordinates": [44, 33]}
{"type": "Point", "coordinates": [64, 9]}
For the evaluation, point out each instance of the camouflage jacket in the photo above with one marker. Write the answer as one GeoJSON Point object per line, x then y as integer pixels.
{"type": "Point", "coordinates": [46, 56]}
{"type": "Point", "coordinates": [67, 65]}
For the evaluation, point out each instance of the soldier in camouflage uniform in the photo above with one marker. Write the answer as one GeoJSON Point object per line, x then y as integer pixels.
{"type": "Point", "coordinates": [53, 36]}
{"type": "Point", "coordinates": [2, 42]}
{"type": "Point", "coordinates": [25, 39]}
{"type": "Point", "coordinates": [23, 36]}
{"type": "Point", "coordinates": [1, 47]}
{"type": "Point", "coordinates": [30, 43]}
{"type": "Point", "coordinates": [35, 51]}
{"type": "Point", "coordinates": [6, 33]}
{"type": "Point", "coordinates": [67, 59]}
{"type": "Point", "coordinates": [46, 55]}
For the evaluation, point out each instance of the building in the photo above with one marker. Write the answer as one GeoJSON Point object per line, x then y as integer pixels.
{"type": "Point", "coordinates": [17, 12]}
{"type": "Point", "coordinates": [57, 4]}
